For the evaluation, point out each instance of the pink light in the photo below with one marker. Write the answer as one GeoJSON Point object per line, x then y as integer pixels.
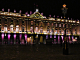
{"type": "Point", "coordinates": [72, 38]}
{"type": "Point", "coordinates": [54, 16]}
{"type": "Point", "coordinates": [42, 14]}
{"type": "Point", "coordinates": [8, 10]}
{"type": "Point", "coordinates": [69, 37]}
{"type": "Point", "coordinates": [30, 12]}
{"type": "Point", "coordinates": [20, 36]}
{"type": "Point", "coordinates": [26, 13]}
{"type": "Point", "coordinates": [8, 36]}
{"type": "Point", "coordinates": [14, 36]}
{"type": "Point", "coordinates": [50, 36]}
{"type": "Point", "coordinates": [71, 18]}
{"type": "Point", "coordinates": [14, 11]}
{"type": "Point", "coordinates": [3, 9]}
{"type": "Point", "coordinates": [49, 15]}
{"type": "Point", "coordinates": [61, 17]}
{"type": "Point", "coordinates": [58, 38]}
{"type": "Point", "coordinates": [57, 16]}
{"type": "Point", "coordinates": [68, 18]}
{"type": "Point", "coordinates": [25, 37]}
{"type": "Point", "coordinates": [62, 37]}
{"type": "Point", "coordinates": [2, 36]}
{"type": "Point", "coordinates": [20, 11]}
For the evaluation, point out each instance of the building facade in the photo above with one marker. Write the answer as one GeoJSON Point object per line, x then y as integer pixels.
{"type": "Point", "coordinates": [36, 23]}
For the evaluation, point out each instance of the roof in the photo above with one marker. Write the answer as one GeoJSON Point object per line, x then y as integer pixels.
{"type": "Point", "coordinates": [36, 15]}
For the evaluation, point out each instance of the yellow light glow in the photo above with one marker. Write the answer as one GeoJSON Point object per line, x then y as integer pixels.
{"type": "Point", "coordinates": [64, 5]}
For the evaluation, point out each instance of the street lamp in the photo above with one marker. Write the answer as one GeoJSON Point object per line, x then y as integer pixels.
{"type": "Point", "coordinates": [65, 47]}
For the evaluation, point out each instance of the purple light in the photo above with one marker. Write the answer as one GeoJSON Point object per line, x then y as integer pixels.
{"type": "Point", "coordinates": [68, 18]}
{"type": "Point", "coordinates": [54, 16]}
{"type": "Point", "coordinates": [69, 37]}
{"type": "Point", "coordinates": [25, 37]}
{"type": "Point", "coordinates": [62, 37]}
{"type": "Point", "coordinates": [26, 13]}
{"type": "Point", "coordinates": [3, 9]}
{"type": "Point", "coordinates": [30, 12]}
{"type": "Point", "coordinates": [20, 11]}
{"type": "Point", "coordinates": [14, 36]}
{"type": "Point", "coordinates": [72, 38]}
{"type": "Point", "coordinates": [2, 36]}
{"type": "Point", "coordinates": [55, 36]}
{"type": "Point", "coordinates": [50, 36]}
{"type": "Point", "coordinates": [8, 10]}
{"type": "Point", "coordinates": [71, 18]}
{"type": "Point", "coordinates": [22, 41]}
{"type": "Point", "coordinates": [20, 36]}
{"type": "Point", "coordinates": [14, 11]}
{"type": "Point", "coordinates": [8, 36]}
{"type": "Point", "coordinates": [57, 16]}
{"type": "Point", "coordinates": [42, 14]}
{"type": "Point", "coordinates": [46, 36]}
{"type": "Point", "coordinates": [58, 38]}
{"type": "Point", "coordinates": [61, 17]}
{"type": "Point", "coordinates": [49, 15]}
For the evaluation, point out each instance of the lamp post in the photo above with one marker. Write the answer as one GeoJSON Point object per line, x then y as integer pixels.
{"type": "Point", "coordinates": [65, 46]}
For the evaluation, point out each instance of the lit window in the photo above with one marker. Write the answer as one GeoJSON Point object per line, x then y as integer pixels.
{"type": "Point", "coordinates": [63, 25]}
{"type": "Point", "coordinates": [5, 29]}
{"type": "Point", "coordinates": [31, 29]}
{"type": "Point", "coordinates": [17, 28]}
{"type": "Point", "coordinates": [11, 28]}
{"type": "Point", "coordinates": [56, 25]}
{"type": "Point", "coordinates": [36, 30]}
{"type": "Point", "coordinates": [59, 25]}
{"type": "Point", "coordinates": [41, 30]}
{"type": "Point", "coordinates": [31, 22]}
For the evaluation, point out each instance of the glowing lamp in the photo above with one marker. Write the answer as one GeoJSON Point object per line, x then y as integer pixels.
{"type": "Point", "coordinates": [64, 6]}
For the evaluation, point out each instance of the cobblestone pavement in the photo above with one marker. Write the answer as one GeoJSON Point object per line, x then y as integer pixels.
{"type": "Point", "coordinates": [38, 52]}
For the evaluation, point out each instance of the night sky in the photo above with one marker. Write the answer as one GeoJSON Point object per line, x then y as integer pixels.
{"type": "Point", "coordinates": [47, 7]}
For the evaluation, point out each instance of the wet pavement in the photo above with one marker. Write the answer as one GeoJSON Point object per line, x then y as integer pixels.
{"type": "Point", "coordinates": [38, 52]}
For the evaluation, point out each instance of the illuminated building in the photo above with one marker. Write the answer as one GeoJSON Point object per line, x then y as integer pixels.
{"type": "Point", "coordinates": [36, 24]}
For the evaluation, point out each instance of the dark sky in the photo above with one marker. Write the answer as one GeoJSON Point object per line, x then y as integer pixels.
{"type": "Point", "coordinates": [48, 7]}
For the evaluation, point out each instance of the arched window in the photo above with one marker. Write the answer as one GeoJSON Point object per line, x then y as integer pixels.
{"type": "Point", "coordinates": [17, 29]}
{"type": "Point", "coordinates": [11, 28]}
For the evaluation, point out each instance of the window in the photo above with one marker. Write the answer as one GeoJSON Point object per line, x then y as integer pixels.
{"type": "Point", "coordinates": [67, 32]}
{"type": "Point", "coordinates": [22, 29]}
{"type": "Point", "coordinates": [52, 30]}
{"type": "Point", "coordinates": [17, 28]}
{"type": "Point", "coordinates": [5, 29]}
{"type": "Point", "coordinates": [17, 22]}
{"type": "Point", "coordinates": [56, 25]}
{"type": "Point", "coordinates": [31, 22]}
{"type": "Point", "coordinates": [11, 28]}
{"type": "Point", "coordinates": [60, 31]}
{"type": "Point", "coordinates": [36, 30]}
{"type": "Point", "coordinates": [11, 21]}
{"type": "Point", "coordinates": [75, 31]}
{"type": "Point", "coordinates": [59, 25]}
{"type": "Point", "coordinates": [5, 21]}
{"type": "Point", "coordinates": [41, 30]}
{"type": "Point", "coordinates": [63, 25]}
{"type": "Point", "coordinates": [31, 29]}
{"type": "Point", "coordinates": [48, 30]}
{"type": "Point", "coordinates": [22, 22]}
